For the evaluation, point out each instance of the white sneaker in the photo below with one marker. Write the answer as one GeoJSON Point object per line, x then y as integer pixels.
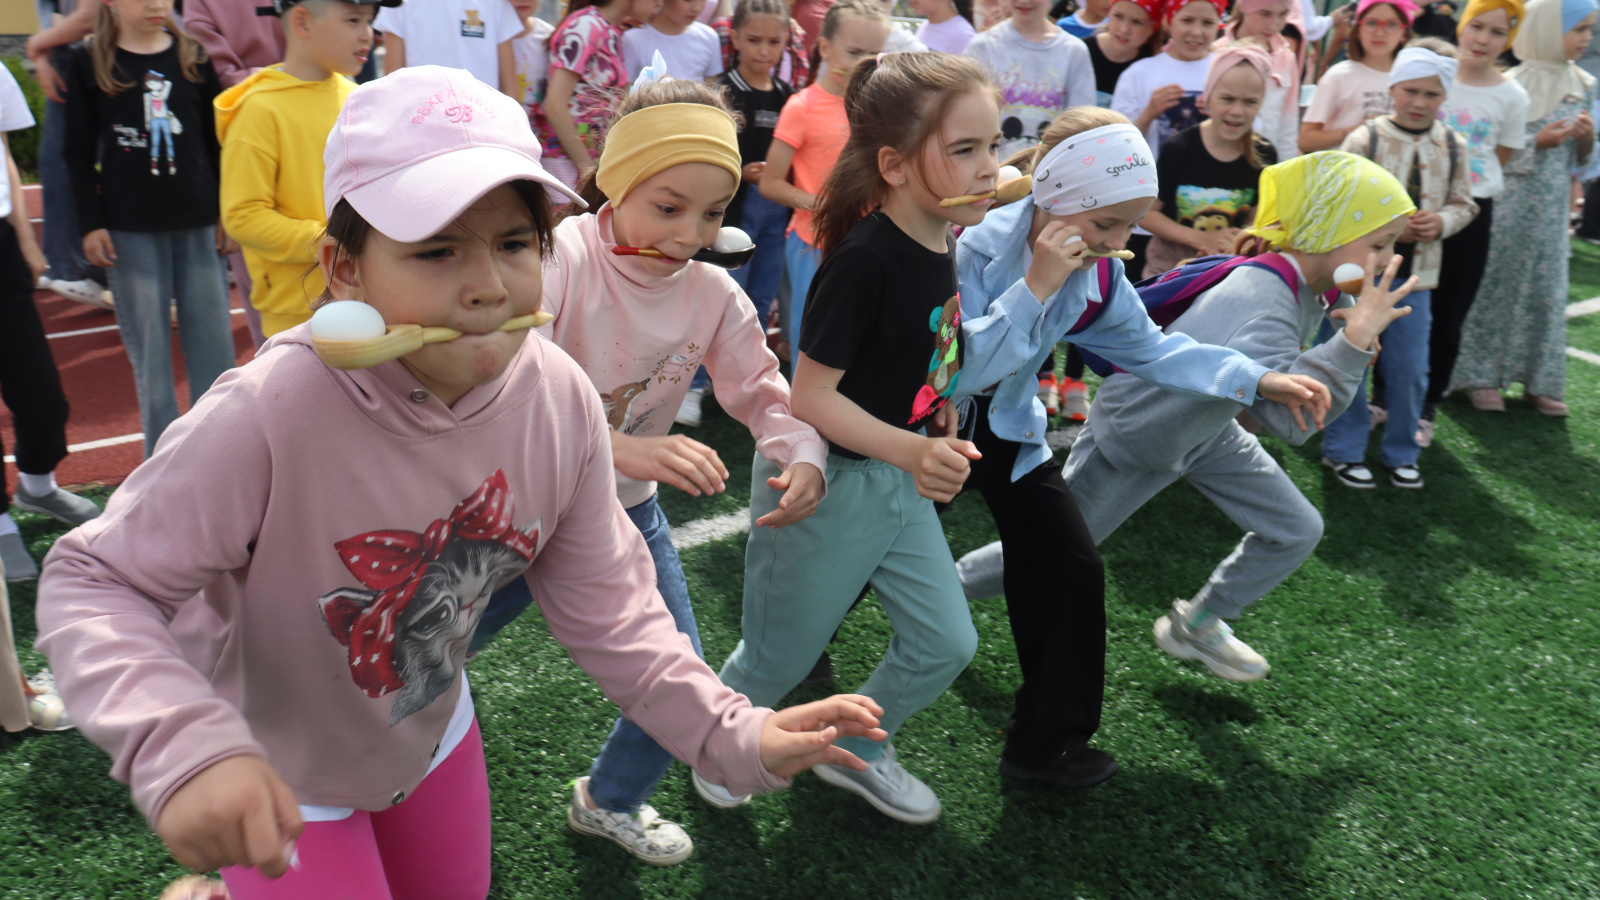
{"type": "Point", "coordinates": [86, 291]}
{"type": "Point", "coordinates": [689, 413]}
{"type": "Point", "coordinates": [644, 834]}
{"type": "Point", "coordinates": [717, 795]}
{"type": "Point", "coordinates": [888, 787]}
{"type": "Point", "coordinates": [45, 709]}
{"type": "Point", "coordinates": [1212, 643]}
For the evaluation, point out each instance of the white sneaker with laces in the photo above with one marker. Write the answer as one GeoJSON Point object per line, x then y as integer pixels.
{"type": "Point", "coordinates": [717, 795]}
{"type": "Point", "coordinates": [644, 834]}
{"type": "Point", "coordinates": [689, 413]}
{"type": "Point", "coordinates": [1212, 643]}
{"type": "Point", "coordinates": [888, 787]}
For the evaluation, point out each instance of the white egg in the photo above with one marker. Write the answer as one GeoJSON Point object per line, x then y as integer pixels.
{"type": "Point", "coordinates": [1348, 272]}
{"type": "Point", "coordinates": [731, 240]}
{"type": "Point", "coordinates": [346, 320]}
{"type": "Point", "coordinates": [1008, 173]}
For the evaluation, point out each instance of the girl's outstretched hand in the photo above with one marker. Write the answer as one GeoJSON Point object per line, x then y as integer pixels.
{"type": "Point", "coordinates": [236, 812]}
{"type": "Point", "coordinates": [797, 738]}
{"type": "Point", "coordinates": [1056, 255]}
{"type": "Point", "coordinates": [682, 462]}
{"type": "Point", "coordinates": [1297, 392]}
{"type": "Point", "coordinates": [1375, 308]}
{"type": "Point", "coordinates": [802, 485]}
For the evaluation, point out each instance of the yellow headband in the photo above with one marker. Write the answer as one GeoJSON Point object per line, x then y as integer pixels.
{"type": "Point", "coordinates": [1320, 201]}
{"type": "Point", "coordinates": [1475, 8]}
{"type": "Point", "coordinates": [659, 137]}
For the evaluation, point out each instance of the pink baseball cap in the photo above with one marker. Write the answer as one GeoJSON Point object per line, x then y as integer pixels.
{"type": "Point", "coordinates": [413, 149]}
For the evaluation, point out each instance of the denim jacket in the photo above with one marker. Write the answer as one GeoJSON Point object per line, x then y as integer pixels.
{"type": "Point", "coordinates": [1009, 333]}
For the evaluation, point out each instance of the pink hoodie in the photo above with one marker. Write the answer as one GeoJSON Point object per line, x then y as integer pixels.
{"type": "Point", "coordinates": [640, 338]}
{"type": "Point", "coordinates": [239, 41]}
{"type": "Point", "coordinates": [343, 531]}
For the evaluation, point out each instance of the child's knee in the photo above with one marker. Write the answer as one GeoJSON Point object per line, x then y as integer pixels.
{"type": "Point", "coordinates": [956, 648]}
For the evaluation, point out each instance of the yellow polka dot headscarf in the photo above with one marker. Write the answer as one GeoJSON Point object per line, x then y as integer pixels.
{"type": "Point", "coordinates": [1321, 201]}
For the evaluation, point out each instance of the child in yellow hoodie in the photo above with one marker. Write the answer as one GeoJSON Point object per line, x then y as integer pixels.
{"type": "Point", "coordinates": [272, 127]}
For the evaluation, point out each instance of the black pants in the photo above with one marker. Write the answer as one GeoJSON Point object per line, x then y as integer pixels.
{"type": "Point", "coordinates": [29, 382]}
{"type": "Point", "coordinates": [1465, 253]}
{"type": "Point", "coordinates": [1055, 596]}
{"type": "Point", "coordinates": [1590, 226]}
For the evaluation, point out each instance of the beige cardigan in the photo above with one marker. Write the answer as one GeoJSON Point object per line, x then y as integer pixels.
{"type": "Point", "coordinates": [1450, 197]}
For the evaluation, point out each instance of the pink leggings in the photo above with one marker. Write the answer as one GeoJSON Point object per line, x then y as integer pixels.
{"type": "Point", "coordinates": [435, 845]}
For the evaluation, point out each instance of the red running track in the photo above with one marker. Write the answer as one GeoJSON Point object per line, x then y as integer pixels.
{"type": "Point", "coordinates": [99, 384]}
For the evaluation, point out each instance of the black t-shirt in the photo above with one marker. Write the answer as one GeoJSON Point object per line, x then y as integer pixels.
{"type": "Point", "coordinates": [1199, 192]}
{"type": "Point", "coordinates": [1107, 72]}
{"type": "Point", "coordinates": [886, 310]}
{"type": "Point", "coordinates": [760, 110]}
{"type": "Point", "coordinates": [156, 144]}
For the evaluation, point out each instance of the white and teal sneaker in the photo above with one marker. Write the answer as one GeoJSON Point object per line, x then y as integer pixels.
{"type": "Point", "coordinates": [888, 787]}
{"type": "Point", "coordinates": [1212, 643]}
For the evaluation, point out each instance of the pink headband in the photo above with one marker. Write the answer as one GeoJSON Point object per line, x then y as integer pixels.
{"type": "Point", "coordinates": [1226, 59]}
{"type": "Point", "coordinates": [1407, 9]}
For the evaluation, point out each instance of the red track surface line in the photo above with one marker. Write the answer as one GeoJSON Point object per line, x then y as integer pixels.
{"type": "Point", "coordinates": [99, 384]}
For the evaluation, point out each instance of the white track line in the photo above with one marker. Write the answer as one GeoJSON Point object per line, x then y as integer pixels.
{"type": "Point", "coordinates": [103, 328]}
{"type": "Point", "coordinates": [96, 445]}
{"type": "Point", "coordinates": [1584, 355]}
{"type": "Point", "coordinates": [704, 531]}
{"type": "Point", "coordinates": [1583, 307]}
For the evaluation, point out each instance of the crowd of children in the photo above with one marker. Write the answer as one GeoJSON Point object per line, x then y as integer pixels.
{"type": "Point", "coordinates": [920, 335]}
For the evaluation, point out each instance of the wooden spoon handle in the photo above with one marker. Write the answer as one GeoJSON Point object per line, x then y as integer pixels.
{"type": "Point", "coordinates": [403, 339]}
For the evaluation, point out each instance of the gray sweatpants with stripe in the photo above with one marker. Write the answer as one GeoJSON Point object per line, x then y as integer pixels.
{"type": "Point", "coordinates": [1281, 526]}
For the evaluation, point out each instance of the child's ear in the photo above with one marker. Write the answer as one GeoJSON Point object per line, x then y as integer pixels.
{"type": "Point", "coordinates": [892, 166]}
{"type": "Point", "coordinates": [340, 271]}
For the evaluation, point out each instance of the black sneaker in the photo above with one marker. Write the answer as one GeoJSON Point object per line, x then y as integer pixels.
{"type": "Point", "coordinates": [1408, 477]}
{"type": "Point", "coordinates": [822, 672]}
{"type": "Point", "coordinates": [1352, 475]}
{"type": "Point", "coordinates": [1077, 768]}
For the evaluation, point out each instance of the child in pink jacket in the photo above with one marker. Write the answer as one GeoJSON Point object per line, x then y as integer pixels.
{"type": "Point", "coordinates": [640, 328]}
{"type": "Point", "coordinates": [344, 530]}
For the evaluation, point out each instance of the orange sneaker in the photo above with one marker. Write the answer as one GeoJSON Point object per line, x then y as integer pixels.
{"type": "Point", "coordinates": [1074, 399]}
{"type": "Point", "coordinates": [1050, 394]}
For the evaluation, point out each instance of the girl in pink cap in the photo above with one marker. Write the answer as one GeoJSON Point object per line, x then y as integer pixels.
{"type": "Point", "coordinates": [277, 671]}
{"type": "Point", "coordinates": [1358, 88]}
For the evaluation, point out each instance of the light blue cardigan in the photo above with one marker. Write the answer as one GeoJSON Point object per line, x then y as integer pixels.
{"type": "Point", "coordinates": [1008, 334]}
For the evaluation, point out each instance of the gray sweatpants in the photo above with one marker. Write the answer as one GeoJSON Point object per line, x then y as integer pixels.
{"type": "Point", "coordinates": [1232, 469]}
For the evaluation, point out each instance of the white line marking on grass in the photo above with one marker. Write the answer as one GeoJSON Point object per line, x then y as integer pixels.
{"type": "Point", "coordinates": [1583, 307]}
{"type": "Point", "coordinates": [96, 445]}
{"type": "Point", "coordinates": [1586, 356]}
{"type": "Point", "coordinates": [704, 531]}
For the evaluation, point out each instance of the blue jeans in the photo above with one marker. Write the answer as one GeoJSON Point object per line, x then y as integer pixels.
{"type": "Point", "coordinates": [803, 261]}
{"type": "Point", "coordinates": [625, 773]}
{"type": "Point", "coordinates": [63, 245]}
{"type": "Point", "coordinates": [765, 221]}
{"type": "Point", "coordinates": [154, 268]}
{"type": "Point", "coordinates": [1403, 362]}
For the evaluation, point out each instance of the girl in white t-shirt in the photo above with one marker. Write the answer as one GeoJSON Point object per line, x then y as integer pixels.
{"type": "Point", "coordinates": [1263, 21]}
{"type": "Point", "coordinates": [1490, 111]}
{"type": "Point", "coordinates": [1159, 95]}
{"type": "Point", "coordinates": [1358, 88]}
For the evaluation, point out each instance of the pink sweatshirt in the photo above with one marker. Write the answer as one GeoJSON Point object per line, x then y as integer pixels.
{"type": "Point", "coordinates": [640, 338]}
{"type": "Point", "coordinates": [239, 41]}
{"type": "Point", "coordinates": [344, 531]}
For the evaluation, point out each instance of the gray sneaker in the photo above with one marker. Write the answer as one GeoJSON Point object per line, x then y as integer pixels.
{"type": "Point", "coordinates": [887, 786]}
{"type": "Point", "coordinates": [717, 795]}
{"type": "Point", "coordinates": [644, 834]}
{"type": "Point", "coordinates": [14, 559]}
{"type": "Point", "coordinates": [1212, 643]}
{"type": "Point", "coordinates": [63, 506]}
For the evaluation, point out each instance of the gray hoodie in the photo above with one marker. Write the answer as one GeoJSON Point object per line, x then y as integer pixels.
{"type": "Point", "coordinates": [1137, 425]}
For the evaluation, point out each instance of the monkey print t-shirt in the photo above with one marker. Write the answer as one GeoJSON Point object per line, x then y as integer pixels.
{"type": "Point", "coordinates": [1198, 191]}
{"type": "Point", "coordinates": [885, 309]}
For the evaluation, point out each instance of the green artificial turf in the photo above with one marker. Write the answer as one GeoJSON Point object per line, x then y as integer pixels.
{"type": "Point", "coordinates": [1429, 729]}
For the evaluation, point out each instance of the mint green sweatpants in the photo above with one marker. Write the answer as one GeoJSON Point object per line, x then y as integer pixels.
{"type": "Point", "coordinates": [800, 580]}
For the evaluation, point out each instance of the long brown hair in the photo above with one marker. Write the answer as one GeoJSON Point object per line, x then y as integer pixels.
{"type": "Point", "coordinates": [897, 100]}
{"type": "Point", "coordinates": [660, 93]}
{"type": "Point", "coordinates": [103, 52]}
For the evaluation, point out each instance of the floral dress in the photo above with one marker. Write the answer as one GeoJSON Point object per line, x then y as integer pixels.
{"type": "Point", "coordinates": [1517, 327]}
{"type": "Point", "coordinates": [589, 45]}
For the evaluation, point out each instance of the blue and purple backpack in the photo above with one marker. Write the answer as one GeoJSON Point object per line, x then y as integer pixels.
{"type": "Point", "coordinates": [1170, 294]}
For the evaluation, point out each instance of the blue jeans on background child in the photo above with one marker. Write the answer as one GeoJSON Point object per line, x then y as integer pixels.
{"type": "Point", "coordinates": [154, 268]}
{"type": "Point", "coordinates": [626, 771]}
{"type": "Point", "coordinates": [1403, 363]}
{"type": "Point", "coordinates": [803, 261]}
{"type": "Point", "coordinates": [765, 221]}
{"type": "Point", "coordinates": [63, 245]}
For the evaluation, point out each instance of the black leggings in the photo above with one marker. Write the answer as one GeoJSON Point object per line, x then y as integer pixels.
{"type": "Point", "coordinates": [1055, 597]}
{"type": "Point", "coordinates": [1465, 253]}
{"type": "Point", "coordinates": [29, 382]}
